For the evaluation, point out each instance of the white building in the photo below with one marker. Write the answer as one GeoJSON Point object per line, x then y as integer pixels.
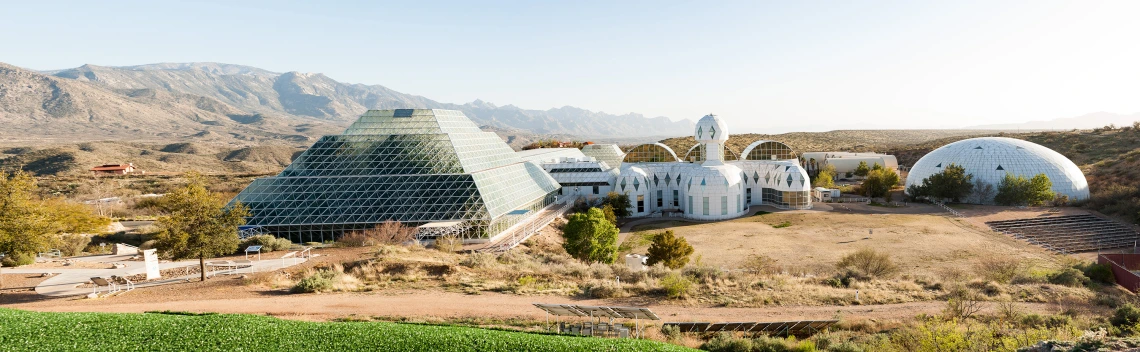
{"type": "Point", "coordinates": [708, 186]}
{"type": "Point", "coordinates": [845, 162]}
{"type": "Point", "coordinates": [989, 159]}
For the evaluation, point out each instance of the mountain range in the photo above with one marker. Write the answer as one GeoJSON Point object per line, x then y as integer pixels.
{"type": "Point", "coordinates": [204, 101]}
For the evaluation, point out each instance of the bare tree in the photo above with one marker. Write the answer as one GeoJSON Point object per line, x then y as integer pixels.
{"type": "Point", "coordinates": [982, 192]}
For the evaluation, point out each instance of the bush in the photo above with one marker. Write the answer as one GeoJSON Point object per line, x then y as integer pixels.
{"type": "Point", "coordinates": [1001, 270]}
{"type": "Point", "coordinates": [590, 237]}
{"type": "Point", "coordinates": [1100, 273]}
{"type": "Point", "coordinates": [760, 265]}
{"type": "Point", "coordinates": [268, 243]}
{"type": "Point", "coordinates": [1125, 316]}
{"type": "Point", "coordinates": [320, 281]}
{"type": "Point", "coordinates": [1018, 190]}
{"type": "Point", "coordinates": [479, 260]}
{"type": "Point", "coordinates": [669, 250]}
{"type": "Point", "coordinates": [675, 285]}
{"type": "Point", "coordinates": [725, 342]}
{"type": "Point", "coordinates": [449, 244]}
{"type": "Point", "coordinates": [868, 262]}
{"type": "Point", "coordinates": [605, 289]}
{"type": "Point", "coordinates": [388, 232]}
{"type": "Point", "coordinates": [71, 245]}
{"type": "Point", "coordinates": [18, 259]}
{"type": "Point", "coordinates": [1068, 277]}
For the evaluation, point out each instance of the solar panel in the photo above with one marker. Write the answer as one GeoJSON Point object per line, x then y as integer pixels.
{"type": "Point", "coordinates": [635, 313]}
{"type": "Point", "coordinates": [560, 310]}
{"type": "Point", "coordinates": [795, 327]}
{"type": "Point", "coordinates": [570, 310]}
{"type": "Point", "coordinates": [689, 327]}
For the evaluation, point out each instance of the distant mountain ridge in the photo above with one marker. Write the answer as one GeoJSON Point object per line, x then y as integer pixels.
{"type": "Point", "coordinates": [257, 91]}
{"type": "Point", "coordinates": [1086, 121]}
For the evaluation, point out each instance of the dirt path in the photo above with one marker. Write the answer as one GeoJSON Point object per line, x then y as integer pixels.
{"type": "Point", "coordinates": [434, 304]}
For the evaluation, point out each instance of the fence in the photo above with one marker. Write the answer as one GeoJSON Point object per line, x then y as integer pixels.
{"type": "Point", "coordinates": [1122, 268]}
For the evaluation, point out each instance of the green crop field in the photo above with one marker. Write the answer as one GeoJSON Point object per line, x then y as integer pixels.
{"type": "Point", "coordinates": [35, 331]}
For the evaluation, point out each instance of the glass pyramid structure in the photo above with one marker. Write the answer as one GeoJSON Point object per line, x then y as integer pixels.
{"type": "Point", "coordinates": [416, 166]}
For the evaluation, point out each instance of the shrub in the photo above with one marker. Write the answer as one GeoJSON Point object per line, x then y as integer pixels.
{"type": "Point", "coordinates": [1100, 273]}
{"type": "Point", "coordinates": [782, 225]}
{"type": "Point", "coordinates": [449, 244]}
{"type": "Point", "coordinates": [320, 281]}
{"type": "Point", "coordinates": [760, 265]}
{"type": "Point", "coordinates": [868, 262]}
{"type": "Point", "coordinates": [18, 259]}
{"type": "Point", "coordinates": [669, 250]}
{"type": "Point", "coordinates": [268, 243]}
{"type": "Point", "coordinates": [479, 260]}
{"type": "Point", "coordinates": [675, 285]}
{"type": "Point", "coordinates": [725, 342]}
{"type": "Point", "coordinates": [605, 289]}
{"type": "Point", "coordinates": [671, 332]}
{"type": "Point", "coordinates": [1068, 277]}
{"type": "Point", "coordinates": [388, 232]}
{"type": "Point", "coordinates": [71, 245]}
{"type": "Point", "coordinates": [619, 202]}
{"type": "Point", "coordinates": [1001, 270]}
{"type": "Point", "coordinates": [1125, 316]}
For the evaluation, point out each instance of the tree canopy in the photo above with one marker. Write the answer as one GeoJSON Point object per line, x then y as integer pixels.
{"type": "Point", "coordinates": [879, 182]}
{"type": "Point", "coordinates": [669, 250]}
{"type": "Point", "coordinates": [1018, 190]}
{"type": "Point", "coordinates": [590, 237]}
{"type": "Point", "coordinates": [29, 224]}
{"type": "Point", "coordinates": [862, 170]}
{"type": "Point", "coordinates": [198, 224]}
{"type": "Point", "coordinates": [953, 184]}
{"type": "Point", "coordinates": [619, 202]}
{"type": "Point", "coordinates": [825, 177]}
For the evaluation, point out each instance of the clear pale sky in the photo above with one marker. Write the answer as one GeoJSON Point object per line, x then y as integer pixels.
{"type": "Point", "coordinates": [763, 66]}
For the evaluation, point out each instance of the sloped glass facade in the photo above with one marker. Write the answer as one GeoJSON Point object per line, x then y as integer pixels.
{"type": "Point", "coordinates": [410, 165]}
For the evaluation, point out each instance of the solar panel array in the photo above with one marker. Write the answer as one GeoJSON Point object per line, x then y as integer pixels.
{"type": "Point", "coordinates": [798, 327]}
{"type": "Point", "coordinates": [1068, 234]}
{"type": "Point", "coordinates": [572, 310]}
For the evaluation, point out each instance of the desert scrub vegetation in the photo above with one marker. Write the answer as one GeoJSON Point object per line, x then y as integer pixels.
{"type": "Point", "coordinates": [117, 332]}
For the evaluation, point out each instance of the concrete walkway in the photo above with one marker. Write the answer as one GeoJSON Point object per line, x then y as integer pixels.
{"type": "Point", "coordinates": [65, 281]}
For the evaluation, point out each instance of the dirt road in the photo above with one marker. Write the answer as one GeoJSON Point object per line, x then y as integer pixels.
{"type": "Point", "coordinates": [434, 304]}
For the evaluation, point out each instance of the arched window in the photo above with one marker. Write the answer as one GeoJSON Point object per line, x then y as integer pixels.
{"type": "Point", "coordinates": [769, 150]}
{"type": "Point", "coordinates": [650, 153]}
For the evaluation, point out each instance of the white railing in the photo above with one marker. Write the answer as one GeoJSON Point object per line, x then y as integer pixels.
{"type": "Point", "coordinates": [948, 208]}
{"type": "Point", "coordinates": [528, 227]}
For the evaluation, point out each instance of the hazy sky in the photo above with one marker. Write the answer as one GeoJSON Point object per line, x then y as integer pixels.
{"type": "Point", "coordinates": [790, 65]}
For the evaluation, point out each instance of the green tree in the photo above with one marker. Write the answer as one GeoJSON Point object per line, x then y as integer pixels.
{"type": "Point", "coordinates": [876, 167]}
{"type": "Point", "coordinates": [826, 177]}
{"type": "Point", "coordinates": [620, 203]}
{"type": "Point", "coordinates": [669, 250]}
{"type": "Point", "coordinates": [862, 170]}
{"type": "Point", "coordinates": [608, 211]}
{"type": "Point", "coordinates": [590, 237]}
{"type": "Point", "coordinates": [198, 224]}
{"type": "Point", "coordinates": [24, 225]}
{"type": "Point", "coordinates": [879, 182]}
{"type": "Point", "coordinates": [1018, 190]}
{"type": "Point", "coordinates": [953, 184]}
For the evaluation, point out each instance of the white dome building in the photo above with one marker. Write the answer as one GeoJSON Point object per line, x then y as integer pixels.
{"type": "Point", "coordinates": [989, 159]}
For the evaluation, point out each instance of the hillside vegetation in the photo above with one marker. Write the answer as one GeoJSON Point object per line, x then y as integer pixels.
{"type": "Point", "coordinates": [76, 159]}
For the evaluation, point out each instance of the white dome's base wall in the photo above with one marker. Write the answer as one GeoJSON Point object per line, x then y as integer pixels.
{"type": "Point", "coordinates": [989, 159]}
